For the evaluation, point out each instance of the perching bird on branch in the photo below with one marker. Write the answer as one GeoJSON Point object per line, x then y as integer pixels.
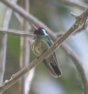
{"type": "Point", "coordinates": [41, 43]}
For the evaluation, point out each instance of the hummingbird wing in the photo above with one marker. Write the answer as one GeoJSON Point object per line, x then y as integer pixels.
{"type": "Point", "coordinates": [51, 62]}
{"type": "Point", "coordinates": [52, 65]}
{"type": "Point", "coordinates": [39, 46]}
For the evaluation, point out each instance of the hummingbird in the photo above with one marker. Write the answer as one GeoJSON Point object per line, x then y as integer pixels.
{"type": "Point", "coordinates": [41, 43]}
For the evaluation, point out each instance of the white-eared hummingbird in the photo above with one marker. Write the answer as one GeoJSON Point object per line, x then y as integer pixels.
{"type": "Point", "coordinates": [41, 43]}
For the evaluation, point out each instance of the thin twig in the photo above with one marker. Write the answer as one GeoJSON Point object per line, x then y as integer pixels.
{"type": "Point", "coordinates": [41, 25]}
{"type": "Point", "coordinates": [78, 65]}
{"type": "Point", "coordinates": [81, 5]}
{"type": "Point", "coordinates": [82, 18]}
{"type": "Point", "coordinates": [5, 25]}
{"type": "Point", "coordinates": [30, 74]}
{"type": "Point", "coordinates": [18, 17]}
{"type": "Point", "coordinates": [25, 54]}
{"type": "Point", "coordinates": [30, 18]}
{"type": "Point", "coordinates": [17, 33]}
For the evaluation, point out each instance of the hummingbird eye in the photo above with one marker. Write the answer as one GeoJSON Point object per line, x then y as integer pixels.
{"type": "Point", "coordinates": [41, 31]}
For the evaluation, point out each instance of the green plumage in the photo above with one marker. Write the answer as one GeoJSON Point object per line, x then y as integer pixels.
{"type": "Point", "coordinates": [39, 46]}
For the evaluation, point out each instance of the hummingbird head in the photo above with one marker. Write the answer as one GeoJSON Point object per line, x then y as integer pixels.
{"type": "Point", "coordinates": [39, 31]}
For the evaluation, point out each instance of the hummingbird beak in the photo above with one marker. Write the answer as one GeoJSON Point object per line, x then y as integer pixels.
{"type": "Point", "coordinates": [36, 27]}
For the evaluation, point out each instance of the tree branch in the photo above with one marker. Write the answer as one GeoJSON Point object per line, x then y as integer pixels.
{"type": "Point", "coordinates": [3, 45]}
{"type": "Point", "coordinates": [80, 20]}
{"type": "Point", "coordinates": [78, 23]}
{"type": "Point", "coordinates": [80, 4]}
{"type": "Point", "coordinates": [30, 18]}
{"type": "Point", "coordinates": [16, 32]}
{"type": "Point", "coordinates": [78, 65]}
{"type": "Point", "coordinates": [26, 80]}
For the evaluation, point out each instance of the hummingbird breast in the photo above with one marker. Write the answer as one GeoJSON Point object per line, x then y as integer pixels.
{"type": "Point", "coordinates": [39, 47]}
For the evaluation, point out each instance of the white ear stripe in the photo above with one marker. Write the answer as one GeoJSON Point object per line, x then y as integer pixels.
{"type": "Point", "coordinates": [45, 32]}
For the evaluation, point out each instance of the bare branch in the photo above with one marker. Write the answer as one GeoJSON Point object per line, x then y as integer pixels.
{"type": "Point", "coordinates": [18, 17]}
{"type": "Point", "coordinates": [78, 65]}
{"type": "Point", "coordinates": [30, 18]}
{"type": "Point", "coordinates": [16, 32]}
{"type": "Point", "coordinates": [80, 4]}
{"type": "Point", "coordinates": [75, 25]}
{"type": "Point", "coordinates": [5, 25]}
{"type": "Point", "coordinates": [81, 19]}
{"type": "Point", "coordinates": [26, 80]}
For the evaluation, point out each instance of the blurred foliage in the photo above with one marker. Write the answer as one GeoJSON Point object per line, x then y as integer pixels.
{"type": "Point", "coordinates": [55, 15]}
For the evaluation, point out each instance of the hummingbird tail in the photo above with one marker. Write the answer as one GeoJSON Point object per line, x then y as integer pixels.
{"type": "Point", "coordinates": [52, 66]}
